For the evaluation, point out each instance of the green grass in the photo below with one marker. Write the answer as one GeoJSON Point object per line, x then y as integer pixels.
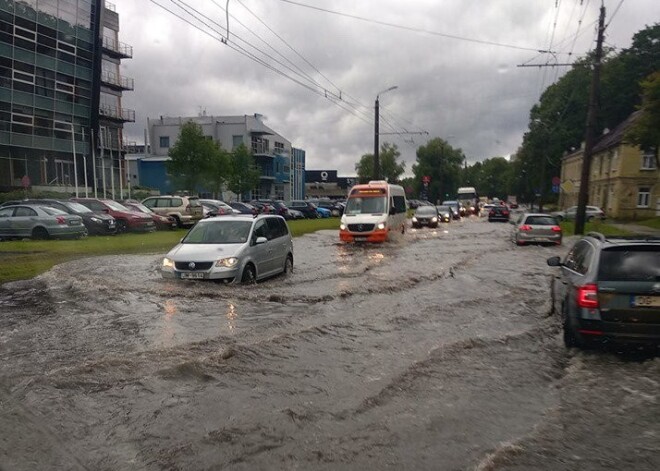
{"type": "Point", "coordinates": [653, 223]}
{"type": "Point", "coordinates": [24, 259]}
{"type": "Point", "coordinates": [568, 227]}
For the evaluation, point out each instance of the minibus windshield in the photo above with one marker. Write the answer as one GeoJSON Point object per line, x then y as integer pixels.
{"type": "Point", "coordinates": [365, 205]}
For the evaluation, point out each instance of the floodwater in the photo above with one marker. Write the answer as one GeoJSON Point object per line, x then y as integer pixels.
{"type": "Point", "coordinates": [436, 351]}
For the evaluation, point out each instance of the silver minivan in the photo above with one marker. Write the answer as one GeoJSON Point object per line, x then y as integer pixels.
{"type": "Point", "coordinates": [238, 248]}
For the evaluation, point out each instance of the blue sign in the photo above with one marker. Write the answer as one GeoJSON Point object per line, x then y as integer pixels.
{"type": "Point", "coordinates": [555, 188]}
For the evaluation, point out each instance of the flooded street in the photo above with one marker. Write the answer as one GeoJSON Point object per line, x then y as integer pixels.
{"type": "Point", "coordinates": [437, 351]}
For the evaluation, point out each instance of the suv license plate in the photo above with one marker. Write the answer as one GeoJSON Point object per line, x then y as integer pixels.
{"type": "Point", "coordinates": [645, 301]}
{"type": "Point", "coordinates": [192, 276]}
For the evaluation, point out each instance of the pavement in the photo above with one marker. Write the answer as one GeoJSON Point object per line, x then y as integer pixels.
{"type": "Point", "coordinates": [635, 228]}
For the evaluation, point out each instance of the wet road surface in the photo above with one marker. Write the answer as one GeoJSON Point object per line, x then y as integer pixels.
{"type": "Point", "coordinates": [436, 351]}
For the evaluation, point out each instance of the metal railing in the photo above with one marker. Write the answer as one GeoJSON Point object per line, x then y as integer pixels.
{"type": "Point", "coordinates": [114, 79]}
{"type": "Point", "coordinates": [121, 114]}
{"type": "Point", "coordinates": [117, 46]}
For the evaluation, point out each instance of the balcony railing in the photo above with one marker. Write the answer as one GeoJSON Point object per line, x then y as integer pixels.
{"type": "Point", "coordinates": [116, 81]}
{"type": "Point", "coordinates": [117, 47]}
{"type": "Point", "coordinates": [117, 114]}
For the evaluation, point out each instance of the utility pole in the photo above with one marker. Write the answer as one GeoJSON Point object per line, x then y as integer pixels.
{"type": "Point", "coordinates": [589, 138]}
{"type": "Point", "coordinates": [376, 156]}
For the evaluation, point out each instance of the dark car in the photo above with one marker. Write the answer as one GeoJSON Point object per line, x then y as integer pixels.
{"type": "Point", "coordinates": [306, 207]}
{"type": "Point", "coordinates": [445, 214]}
{"type": "Point", "coordinates": [609, 290]}
{"type": "Point", "coordinates": [162, 222]}
{"type": "Point", "coordinates": [455, 208]}
{"type": "Point", "coordinates": [262, 207]}
{"type": "Point", "coordinates": [425, 216]}
{"type": "Point", "coordinates": [244, 208]}
{"type": "Point", "coordinates": [277, 207]}
{"type": "Point", "coordinates": [126, 219]}
{"type": "Point", "coordinates": [96, 223]}
{"type": "Point", "coordinates": [498, 213]}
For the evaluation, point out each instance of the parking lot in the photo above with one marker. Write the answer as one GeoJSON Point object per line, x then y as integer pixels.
{"type": "Point", "coordinates": [433, 352]}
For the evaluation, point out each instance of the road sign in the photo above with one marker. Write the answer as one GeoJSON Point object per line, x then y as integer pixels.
{"type": "Point", "coordinates": [568, 187]}
{"type": "Point", "coordinates": [555, 188]}
{"type": "Point", "coordinates": [556, 181]}
{"type": "Point", "coordinates": [426, 179]}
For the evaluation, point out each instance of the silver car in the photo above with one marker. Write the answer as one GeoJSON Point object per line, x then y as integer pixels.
{"type": "Point", "coordinates": [591, 213]}
{"type": "Point", "coordinates": [38, 222]}
{"type": "Point", "coordinates": [536, 228]}
{"type": "Point", "coordinates": [238, 248]}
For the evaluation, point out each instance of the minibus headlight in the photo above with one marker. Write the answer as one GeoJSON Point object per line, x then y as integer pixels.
{"type": "Point", "coordinates": [342, 226]}
{"type": "Point", "coordinates": [381, 226]}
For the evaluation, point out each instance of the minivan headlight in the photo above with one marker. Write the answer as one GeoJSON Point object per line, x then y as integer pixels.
{"type": "Point", "coordinates": [342, 226]}
{"type": "Point", "coordinates": [167, 263]}
{"type": "Point", "coordinates": [227, 262]}
{"type": "Point", "coordinates": [381, 225]}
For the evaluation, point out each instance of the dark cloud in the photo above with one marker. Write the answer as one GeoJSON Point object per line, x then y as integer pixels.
{"type": "Point", "coordinates": [471, 94]}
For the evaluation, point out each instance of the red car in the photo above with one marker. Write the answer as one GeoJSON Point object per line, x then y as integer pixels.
{"type": "Point", "coordinates": [162, 222]}
{"type": "Point", "coordinates": [127, 220]}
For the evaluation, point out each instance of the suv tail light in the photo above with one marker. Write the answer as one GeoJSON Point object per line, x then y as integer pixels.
{"type": "Point", "coordinates": [587, 296]}
{"type": "Point", "coordinates": [525, 227]}
{"type": "Point", "coordinates": [556, 229]}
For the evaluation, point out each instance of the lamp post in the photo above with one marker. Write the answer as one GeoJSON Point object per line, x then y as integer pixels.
{"type": "Point", "coordinates": [376, 159]}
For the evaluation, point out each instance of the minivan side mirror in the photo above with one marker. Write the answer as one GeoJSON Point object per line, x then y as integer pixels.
{"type": "Point", "coordinates": [554, 262]}
{"type": "Point", "coordinates": [260, 240]}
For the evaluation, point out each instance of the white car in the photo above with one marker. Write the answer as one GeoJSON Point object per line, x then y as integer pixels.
{"type": "Point", "coordinates": [238, 248]}
{"type": "Point", "coordinates": [591, 213]}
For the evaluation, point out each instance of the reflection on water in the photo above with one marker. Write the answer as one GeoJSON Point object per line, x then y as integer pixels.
{"type": "Point", "coordinates": [231, 317]}
{"type": "Point", "coordinates": [168, 331]}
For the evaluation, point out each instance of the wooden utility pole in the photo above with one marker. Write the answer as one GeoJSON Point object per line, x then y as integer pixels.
{"type": "Point", "coordinates": [589, 137]}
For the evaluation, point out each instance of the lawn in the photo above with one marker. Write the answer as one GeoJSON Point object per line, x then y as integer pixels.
{"type": "Point", "coordinates": [654, 223]}
{"type": "Point", "coordinates": [569, 228]}
{"type": "Point", "coordinates": [24, 259]}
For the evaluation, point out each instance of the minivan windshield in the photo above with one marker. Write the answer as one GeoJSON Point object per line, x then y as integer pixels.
{"type": "Point", "coordinates": [366, 205]}
{"type": "Point", "coordinates": [219, 232]}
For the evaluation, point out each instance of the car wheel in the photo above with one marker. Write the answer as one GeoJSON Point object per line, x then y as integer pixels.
{"type": "Point", "coordinates": [39, 233]}
{"type": "Point", "coordinates": [288, 265]}
{"type": "Point", "coordinates": [590, 218]}
{"type": "Point", "coordinates": [249, 276]}
{"type": "Point", "coordinates": [559, 218]}
{"type": "Point", "coordinates": [83, 234]}
{"type": "Point", "coordinates": [520, 243]}
{"type": "Point", "coordinates": [122, 226]}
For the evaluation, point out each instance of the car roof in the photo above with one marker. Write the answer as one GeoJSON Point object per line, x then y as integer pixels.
{"type": "Point", "coordinates": [614, 241]}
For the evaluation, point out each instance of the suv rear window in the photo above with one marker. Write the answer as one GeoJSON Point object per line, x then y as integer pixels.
{"type": "Point", "coordinates": [630, 263]}
{"type": "Point", "coordinates": [194, 202]}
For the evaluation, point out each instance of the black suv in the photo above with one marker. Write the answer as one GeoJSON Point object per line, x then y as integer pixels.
{"type": "Point", "coordinates": [609, 290]}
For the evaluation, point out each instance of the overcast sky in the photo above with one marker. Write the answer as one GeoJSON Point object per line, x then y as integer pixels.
{"type": "Point", "coordinates": [454, 63]}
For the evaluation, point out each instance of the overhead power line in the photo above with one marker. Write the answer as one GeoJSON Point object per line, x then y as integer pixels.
{"type": "Point", "coordinates": [415, 30]}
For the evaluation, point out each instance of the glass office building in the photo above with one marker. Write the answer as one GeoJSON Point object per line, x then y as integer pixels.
{"type": "Point", "coordinates": [60, 96]}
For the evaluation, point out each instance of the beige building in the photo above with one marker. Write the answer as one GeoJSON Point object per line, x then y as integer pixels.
{"type": "Point", "coordinates": [624, 180]}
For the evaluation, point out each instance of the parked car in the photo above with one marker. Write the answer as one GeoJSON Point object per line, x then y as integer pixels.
{"type": "Point", "coordinates": [243, 208]}
{"type": "Point", "coordinates": [323, 212]}
{"type": "Point", "coordinates": [241, 248]}
{"type": "Point", "coordinates": [609, 290]}
{"type": "Point", "coordinates": [336, 209]}
{"type": "Point", "coordinates": [126, 219]}
{"type": "Point", "coordinates": [186, 210]}
{"type": "Point", "coordinates": [216, 208]}
{"type": "Point", "coordinates": [276, 207]}
{"type": "Point", "coordinates": [306, 207]}
{"type": "Point", "coordinates": [445, 213]}
{"type": "Point", "coordinates": [455, 207]}
{"type": "Point", "coordinates": [38, 222]}
{"type": "Point", "coordinates": [96, 223]}
{"type": "Point", "coordinates": [536, 228]}
{"type": "Point", "coordinates": [162, 222]}
{"type": "Point", "coordinates": [498, 213]}
{"type": "Point", "coordinates": [591, 213]}
{"type": "Point", "coordinates": [295, 214]}
{"type": "Point", "coordinates": [262, 207]}
{"type": "Point", "coordinates": [425, 216]}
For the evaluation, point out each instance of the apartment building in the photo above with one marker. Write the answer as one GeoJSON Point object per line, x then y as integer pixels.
{"type": "Point", "coordinates": [272, 152]}
{"type": "Point", "coordinates": [624, 180]}
{"type": "Point", "coordinates": [61, 116]}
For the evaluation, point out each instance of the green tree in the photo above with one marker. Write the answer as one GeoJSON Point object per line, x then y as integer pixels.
{"type": "Point", "coordinates": [645, 131]}
{"type": "Point", "coordinates": [218, 172]}
{"type": "Point", "coordinates": [391, 169]}
{"type": "Point", "coordinates": [244, 174]}
{"type": "Point", "coordinates": [190, 158]}
{"type": "Point", "coordinates": [442, 163]}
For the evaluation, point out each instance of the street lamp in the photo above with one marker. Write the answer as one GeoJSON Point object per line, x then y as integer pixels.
{"type": "Point", "coordinates": [376, 160]}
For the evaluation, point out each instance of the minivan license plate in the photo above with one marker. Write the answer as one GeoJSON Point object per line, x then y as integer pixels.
{"type": "Point", "coordinates": [192, 276]}
{"type": "Point", "coordinates": [360, 239]}
{"type": "Point", "coordinates": [646, 301]}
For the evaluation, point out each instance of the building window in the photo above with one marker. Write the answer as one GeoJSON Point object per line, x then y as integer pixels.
{"type": "Point", "coordinates": [236, 141]}
{"type": "Point", "coordinates": [643, 197]}
{"type": "Point", "coordinates": [648, 159]}
{"type": "Point", "coordinates": [165, 142]}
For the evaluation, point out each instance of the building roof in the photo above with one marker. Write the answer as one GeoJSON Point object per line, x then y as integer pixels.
{"type": "Point", "coordinates": [616, 136]}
